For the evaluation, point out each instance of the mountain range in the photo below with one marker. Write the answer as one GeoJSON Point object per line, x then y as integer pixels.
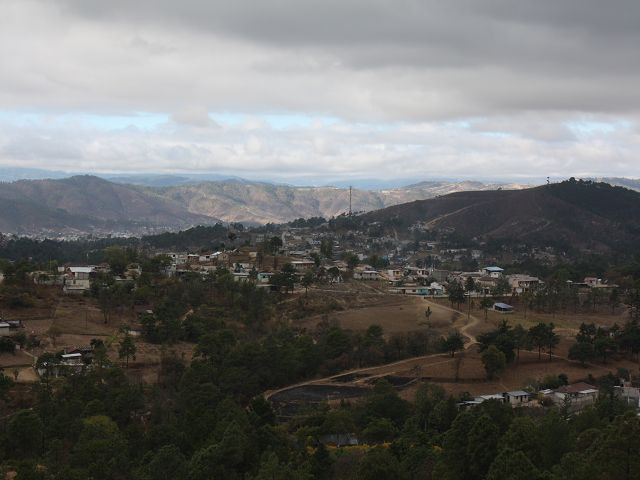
{"type": "Point", "coordinates": [89, 204]}
{"type": "Point", "coordinates": [86, 204]}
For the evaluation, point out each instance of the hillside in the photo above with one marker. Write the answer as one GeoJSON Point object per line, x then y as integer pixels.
{"type": "Point", "coordinates": [583, 215]}
{"type": "Point", "coordinates": [89, 204]}
{"type": "Point", "coordinates": [255, 202]}
{"type": "Point", "coordinates": [85, 203]}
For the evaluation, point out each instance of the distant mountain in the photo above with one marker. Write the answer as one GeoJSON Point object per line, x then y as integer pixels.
{"type": "Point", "coordinates": [630, 183]}
{"type": "Point", "coordinates": [157, 180]}
{"type": "Point", "coordinates": [11, 174]}
{"type": "Point", "coordinates": [575, 214]}
{"type": "Point", "coordinates": [85, 203]}
{"type": "Point", "coordinates": [255, 202]}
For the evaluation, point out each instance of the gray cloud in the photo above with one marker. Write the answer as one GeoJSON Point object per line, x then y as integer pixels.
{"type": "Point", "coordinates": [518, 73]}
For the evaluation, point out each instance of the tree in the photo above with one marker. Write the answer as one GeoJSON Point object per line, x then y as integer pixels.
{"type": "Point", "coordinates": [127, 348]}
{"type": "Point", "coordinates": [307, 281]}
{"type": "Point", "coordinates": [520, 339]}
{"type": "Point", "coordinates": [352, 261]}
{"type": "Point", "coordinates": [101, 450]}
{"type": "Point", "coordinates": [470, 285]}
{"type": "Point", "coordinates": [25, 430]}
{"type": "Point", "coordinates": [453, 342]}
{"type": "Point", "coordinates": [456, 293]}
{"type": "Point", "coordinates": [614, 300]}
{"type": "Point", "coordinates": [326, 248]}
{"type": "Point", "coordinates": [379, 463]}
{"type": "Point", "coordinates": [502, 338]}
{"type": "Point", "coordinates": [617, 453]}
{"type": "Point", "coordinates": [486, 303]}
{"type": "Point", "coordinates": [118, 259]}
{"type": "Point", "coordinates": [581, 351]}
{"type": "Point", "coordinates": [603, 346]}
{"type": "Point", "coordinates": [482, 446]}
{"type": "Point", "coordinates": [551, 339]}
{"type": "Point", "coordinates": [275, 244]}
{"type": "Point", "coordinates": [501, 288]}
{"type": "Point", "coordinates": [5, 385]}
{"type": "Point", "coordinates": [54, 332]}
{"type": "Point", "coordinates": [512, 465]}
{"type": "Point", "coordinates": [168, 463]}
{"type": "Point", "coordinates": [494, 361]}
{"type": "Point", "coordinates": [542, 336]}
{"type": "Point", "coordinates": [106, 302]}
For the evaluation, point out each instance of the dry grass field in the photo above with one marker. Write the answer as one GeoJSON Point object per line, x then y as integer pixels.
{"type": "Point", "coordinates": [394, 313]}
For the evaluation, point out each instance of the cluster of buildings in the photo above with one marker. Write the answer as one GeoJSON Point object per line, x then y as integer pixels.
{"type": "Point", "coordinates": [574, 397]}
{"type": "Point", "coordinates": [76, 279]}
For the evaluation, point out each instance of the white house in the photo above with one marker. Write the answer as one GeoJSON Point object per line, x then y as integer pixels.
{"type": "Point", "coordinates": [4, 329]}
{"type": "Point", "coordinates": [366, 275]}
{"type": "Point", "coordinates": [77, 279]}
{"type": "Point", "coordinates": [71, 359]}
{"type": "Point", "coordinates": [303, 265]}
{"type": "Point", "coordinates": [517, 398]}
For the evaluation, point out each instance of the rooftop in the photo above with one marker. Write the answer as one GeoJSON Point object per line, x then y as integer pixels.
{"type": "Point", "coordinates": [577, 388]}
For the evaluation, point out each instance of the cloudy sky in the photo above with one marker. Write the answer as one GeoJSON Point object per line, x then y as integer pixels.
{"type": "Point", "coordinates": [337, 89]}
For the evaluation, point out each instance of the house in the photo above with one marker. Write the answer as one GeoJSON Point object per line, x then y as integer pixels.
{"type": "Point", "coordinates": [411, 290]}
{"type": "Point", "coordinates": [520, 283]}
{"type": "Point", "coordinates": [366, 275]}
{"type": "Point", "coordinates": [71, 359]}
{"type": "Point", "coordinates": [629, 392]}
{"type": "Point", "coordinates": [485, 284]}
{"type": "Point", "coordinates": [264, 277]}
{"type": "Point", "coordinates": [303, 265]}
{"type": "Point", "coordinates": [493, 271]}
{"type": "Point", "coordinates": [77, 279]}
{"type": "Point", "coordinates": [240, 276]}
{"type": "Point", "coordinates": [393, 274]}
{"type": "Point", "coordinates": [5, 329]}
{"type": "Point", "coordinates": [517, 398]}
{"type": "Point", "coordinates": [592, 281]}
{"type": "Point", "coordinates": [502, 307]}
{"type": "Point", "coordinates": [439, 275]}
{"type": "Point", "coordinates": [494, 396]}
{"type": "Point", "coordinates": [177, 258]}
{"type": "Point", "coordinates": [434, 289]}
{"type": "Point", "coordinates": [577, 395]}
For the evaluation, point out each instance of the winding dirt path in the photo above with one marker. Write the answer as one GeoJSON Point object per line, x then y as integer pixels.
{"type": "Point", "coordinates": [464, 330]}
{"type": "Point", "coordinates": [391, 368]}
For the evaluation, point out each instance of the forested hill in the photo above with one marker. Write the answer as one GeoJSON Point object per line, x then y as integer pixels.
{"type": "Point", "coordinates": [581, 214]}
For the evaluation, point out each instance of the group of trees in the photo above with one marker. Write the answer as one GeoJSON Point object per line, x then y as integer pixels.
{"type": "Point", "coordinates": [503, 344]}
{"type": "Point", "coordinates": [597, 342]}
{"type": "Point", "coordinates": [193, 425]}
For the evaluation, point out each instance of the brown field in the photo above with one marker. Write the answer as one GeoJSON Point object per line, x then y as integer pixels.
{"type": "Point", "coordinates": [394, 313]}
{"type": "Point", "coordinates": [464, 372]}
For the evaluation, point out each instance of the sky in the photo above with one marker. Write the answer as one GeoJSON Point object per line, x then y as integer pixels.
{"type": "Point", "coordinates": [295, 90]}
